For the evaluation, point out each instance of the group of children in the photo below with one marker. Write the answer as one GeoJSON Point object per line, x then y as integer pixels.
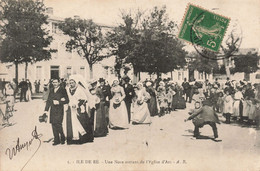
{"type": "Point", "coordinates": [169, 98]}
{"type": "Point", "coordinates": [238, 102]}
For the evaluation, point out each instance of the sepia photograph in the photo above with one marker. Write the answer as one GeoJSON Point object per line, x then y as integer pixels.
{"type": "Point", "coordinates": [127, 85]}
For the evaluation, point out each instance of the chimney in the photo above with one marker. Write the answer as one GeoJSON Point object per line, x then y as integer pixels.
{"type": "Point", "coordinates": [49, 10]}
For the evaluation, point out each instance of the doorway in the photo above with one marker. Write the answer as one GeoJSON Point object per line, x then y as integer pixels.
{"type": "Point", "coordinates": [55, 72]}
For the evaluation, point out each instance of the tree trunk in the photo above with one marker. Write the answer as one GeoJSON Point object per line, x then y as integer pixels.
{"type": "Point", "coordinates": [226, 64]}
{"type": "Point", "coordinates": [171, 76]}
{"type": "Point", "coordinates": [158, 75]}
{"type": "Point", "coordinates": [26, 69]}
{"type": "Point", "coordinates": [90, 71]}
{"type": "Point", "coordinates": [16, 72]}
{"type": "Point", "coordinates": [118, 74]}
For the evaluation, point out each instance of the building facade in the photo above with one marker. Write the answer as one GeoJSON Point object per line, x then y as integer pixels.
{"type": "Point", "coordinates": [62, 63]}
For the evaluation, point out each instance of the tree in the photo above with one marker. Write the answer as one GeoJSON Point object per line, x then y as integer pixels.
{"type": "Point", "coordinates": [163, 52]}
{"type": "Point", "coordinates": [123, 39]}
{"type": "Point", "coordinates": [246, 63]}
{"type": "Point", "coordinates": [148, 42]}
{"type": "Point", "coordinates": [220, 70]}
{"type": "Point", "coordinates": [231, 47]}
{"type": "Point", "coordinates": [24, 38]}
{"type": "Point", "coordinates": [86, 38]}
{"type": "Point", "coordinates": [201, 64]}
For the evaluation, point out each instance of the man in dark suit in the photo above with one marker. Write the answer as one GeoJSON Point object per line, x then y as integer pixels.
{"type": "Point", "coordinates": [23, 86]}
{"type": "Point", "coordinates": [56, 100]}
{"type": "Point", "coordinates": [187, 89]}
{"type": "Point", "coordinates": [129, 94]}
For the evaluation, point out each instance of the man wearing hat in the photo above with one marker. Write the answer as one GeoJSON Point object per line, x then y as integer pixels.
{"type": "Point", "coordinates": [187, 89]}
{"type": "Point", "coordinates": [216, 83]}
{"type": "Point", "coordinates": [213, 96]}
{"type": "Point", "coordinates": [205, 116]}
{"type": "Point", "coordinates": [129, 94]}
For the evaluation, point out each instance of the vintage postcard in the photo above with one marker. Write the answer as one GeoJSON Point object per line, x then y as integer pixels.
{"type": "Point", "coordinates": [129, 85]}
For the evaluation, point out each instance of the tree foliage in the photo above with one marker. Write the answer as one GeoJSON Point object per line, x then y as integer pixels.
{"type": "Point", "coordinates": [24, 38]}
{"type": "Point", "coordinates": [123, 39]}
{"type": "Point", "coordinates": [86, 38]}
{"type": "Point", "coordinates": [246, 63]}
{"type": "Point", "coordinates": [202, 64]}
{"type": "Point", "coordinates": [148, 42]}
{"type": "Point", "coordinates": [230, 48]}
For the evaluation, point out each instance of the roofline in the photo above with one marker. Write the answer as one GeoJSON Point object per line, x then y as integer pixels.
{"type": "Point", "coordinates": [60, 19]}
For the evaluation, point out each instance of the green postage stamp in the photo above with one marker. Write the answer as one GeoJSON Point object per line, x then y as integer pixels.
{"type": "Point", "coordinates": [204, 28]}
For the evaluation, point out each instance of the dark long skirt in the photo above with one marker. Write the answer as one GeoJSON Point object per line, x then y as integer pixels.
{"type": "Point", "coordinates": [178, 102]}
{"type": "Point", "coordinates": [100, 129]}
{"type": "Point", "coordinates": [152, 106]}
{"type": "Point", "coordinates": [175, 102]}
{"type": "Point", "coordinates": [87, 123]}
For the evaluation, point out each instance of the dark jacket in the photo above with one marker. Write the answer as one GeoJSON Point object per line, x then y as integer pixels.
{"type": "Point", "coordinates": [103, 92]}
{"type": "Point", "coordinates": [186, 86]}
{"type": "Point", "coordinates": [23, 85]}
{"type": "Point", "coordinates": [206, 113]}
{"type": "Point", "coordinates": [56, 111]}
{"type": "Point", "coordinates": [129, 92]}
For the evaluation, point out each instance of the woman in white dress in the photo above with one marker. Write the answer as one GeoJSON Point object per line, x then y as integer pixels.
{"type": "Point", "coordinates": [29, 90]}
{"type": "Point", "coordinates": [238, 103]}
{"type": "Point", "coordinates": [118, 117]}
{"type": "Point", "coordinates": [141, 114]}
{"type": "Point", "coordinates": [9, 93]}
{"type": "Point", "coordinates": [228, 105]}
{"type": "Point", "coordinates": [79, 120]}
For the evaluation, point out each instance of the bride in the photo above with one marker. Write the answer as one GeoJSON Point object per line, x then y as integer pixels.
{"type": "Point", "coordinates": [79, 120]}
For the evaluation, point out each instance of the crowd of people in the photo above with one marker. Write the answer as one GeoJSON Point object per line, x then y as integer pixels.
{"type": "Point", "coordinates": [93, 107]}
{"type": "Point", "coordinates": [8, 92]}
{"type": "Point", "coordinates": [236, 101]}
{"type": "Point", "coordinates": [90, 108]}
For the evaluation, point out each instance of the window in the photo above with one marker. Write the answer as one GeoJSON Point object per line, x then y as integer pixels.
{"type": "Point", "coordinates": [54, 28]}
{"type": "Point", "coordinates": [200, 75]}
{"type": "Point", "coordinates": [179, 75]}
{"type": "Point", "coordinates": [38, 72]}
{"type": "Point", "coordinates": [82, 71]}
{"type": "Point", "coordinates": [55, 72]}
{"type": "Point", "coordinates": [69, 71]}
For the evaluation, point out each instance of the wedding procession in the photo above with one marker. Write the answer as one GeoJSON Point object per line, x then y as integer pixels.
{"type": "Point", "coordinates": [129, 85]}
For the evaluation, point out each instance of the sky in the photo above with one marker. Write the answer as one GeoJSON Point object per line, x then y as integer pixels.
{"type": "Point", "coordinates": [246, 14]}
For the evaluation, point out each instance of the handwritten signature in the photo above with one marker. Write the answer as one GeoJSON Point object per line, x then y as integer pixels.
{"type": "Point", "coordinates": [13, 151]}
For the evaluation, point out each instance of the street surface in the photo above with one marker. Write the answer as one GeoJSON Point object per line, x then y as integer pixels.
{"type": "Point", "coordinates": [166, 144]}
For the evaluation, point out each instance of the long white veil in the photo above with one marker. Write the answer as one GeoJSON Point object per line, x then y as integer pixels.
{"type": "Point", "coordinates": [84, 86]}
{"type": "Point", "coordinates": [81, 84]}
